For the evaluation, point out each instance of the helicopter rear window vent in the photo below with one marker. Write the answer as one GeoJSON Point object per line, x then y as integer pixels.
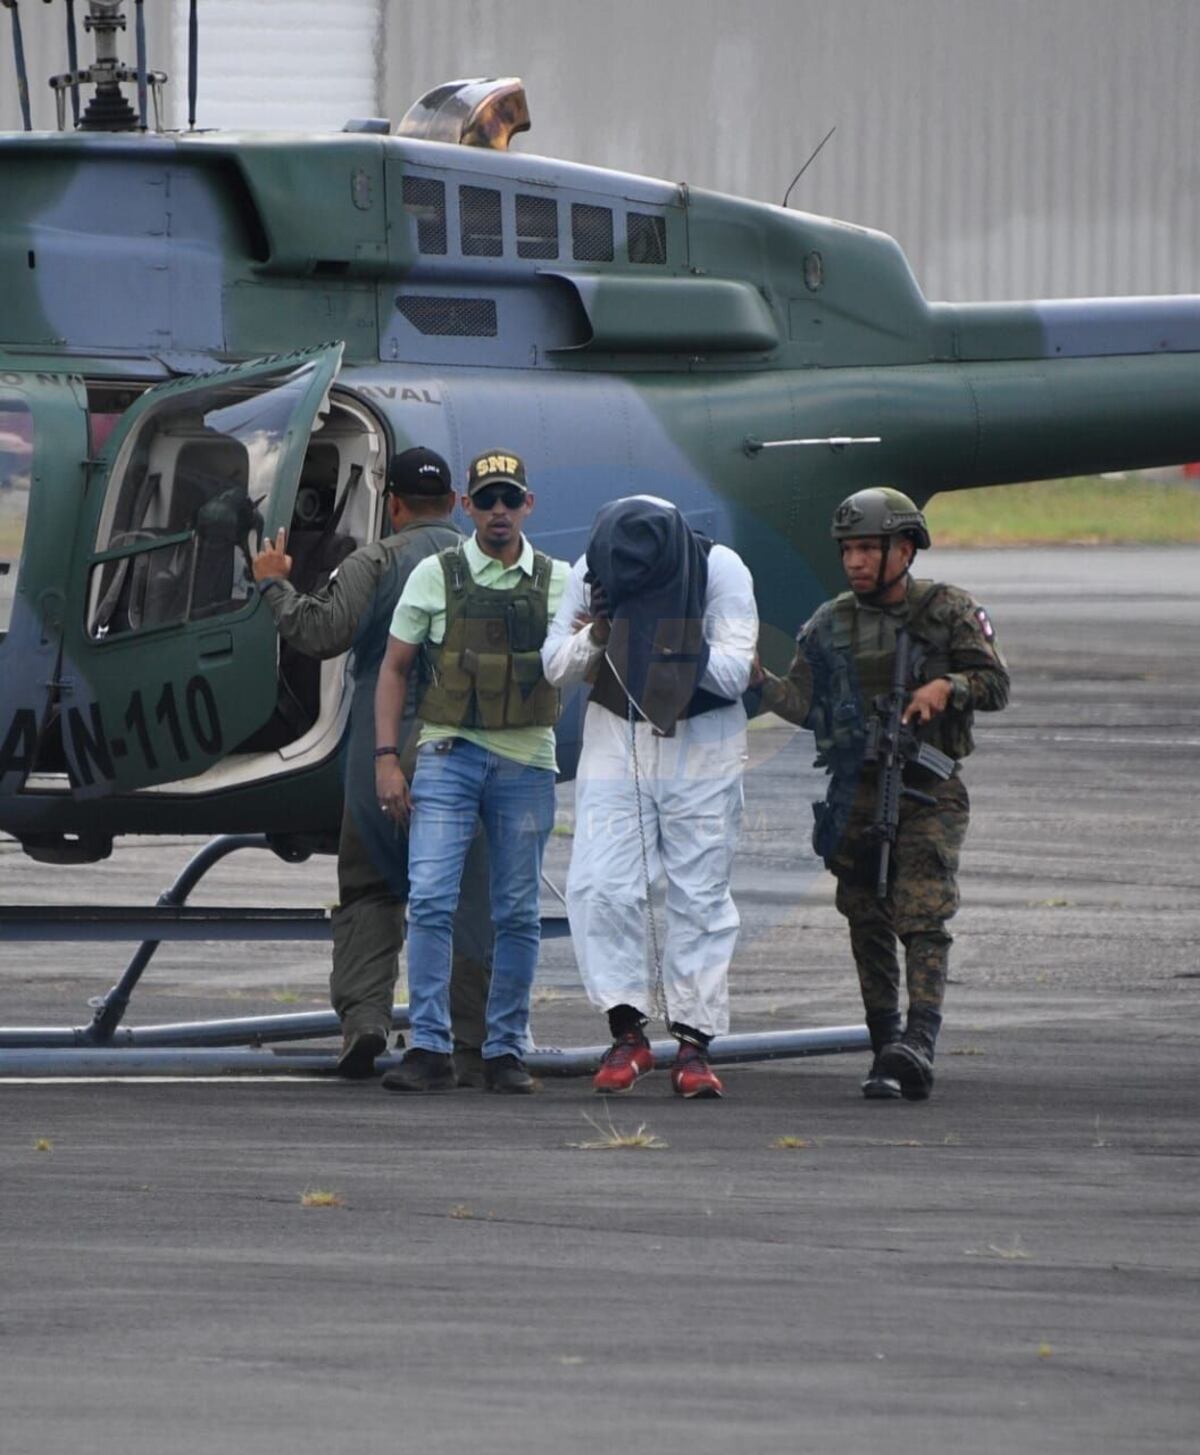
{"type": "Point", "coordinates": [425, 200]}
{"type": "Point", "coordinates": [647, 236]}
{"type": "Point", "coordinates": [450, 317]}
{"type": "Point", "coordinates": [479, 213]}
{"type": "Point", "coordinates": [591, 233]}
{"type": "Point", "coordinates": [537, 227]}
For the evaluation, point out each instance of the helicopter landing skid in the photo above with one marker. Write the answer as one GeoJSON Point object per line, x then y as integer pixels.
{"type": "Point", "coordinates": [105, 1047]}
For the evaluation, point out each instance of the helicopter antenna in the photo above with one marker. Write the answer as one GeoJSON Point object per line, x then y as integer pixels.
{"type": "Point", "coordinates": [193, 46]}
{"type": "Point", "coordinates": [73, 59]}
{"type": "Point", "coordinates": [807, 164]}
{"type": "Point", "coordinates": [19, 59]}
{"type": "Point", "coordinates": [140, 32]}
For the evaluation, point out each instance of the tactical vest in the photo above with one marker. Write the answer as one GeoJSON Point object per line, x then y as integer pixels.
{"type": "Point", "coordinates": [487, 671]}
{"type": "Point", "coordinates": [858, 674]}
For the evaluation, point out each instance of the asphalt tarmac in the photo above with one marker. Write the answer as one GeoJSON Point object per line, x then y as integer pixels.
{"type": "Point", "coordinates": [1010, 1267]}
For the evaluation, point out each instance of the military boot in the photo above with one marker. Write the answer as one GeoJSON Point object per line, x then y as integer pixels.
{"type": "Point", "coordinates": [910, 1059]}
{"type": "Point", "coordinates": [884, 1029]}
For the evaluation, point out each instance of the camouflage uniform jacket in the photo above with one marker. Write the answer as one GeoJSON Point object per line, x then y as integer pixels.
{"type": "Point", "coordinates": [844, 658]}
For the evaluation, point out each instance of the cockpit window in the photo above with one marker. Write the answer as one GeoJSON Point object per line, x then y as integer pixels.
{"type": "Point", "coordinates": [16, 469]}
{"type": "Point", "coordinates": [424, 199]}
{"type": "Point", "coordinates": [591, 233]}
{"type": "Point", "coordinates": [182, 515]}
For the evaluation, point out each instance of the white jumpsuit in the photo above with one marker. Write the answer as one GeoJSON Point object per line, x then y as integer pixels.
{"type": "Point", "coordinates": [691, 791]}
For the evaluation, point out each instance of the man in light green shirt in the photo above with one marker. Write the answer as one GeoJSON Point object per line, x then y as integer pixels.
{"type": "Point", "coordinates": [420, 616]}
{"type": "Point", "coordinates": [479, 613]}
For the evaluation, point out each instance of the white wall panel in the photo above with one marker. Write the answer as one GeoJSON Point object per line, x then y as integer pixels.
{"type": "Point", "coordinates": [280, 65]}
{"type": "Point", "coordinates": [1014, 148]}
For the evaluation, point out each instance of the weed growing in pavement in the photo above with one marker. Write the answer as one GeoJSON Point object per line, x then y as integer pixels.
{"type": "Point", "coordinates": [609, 1139]}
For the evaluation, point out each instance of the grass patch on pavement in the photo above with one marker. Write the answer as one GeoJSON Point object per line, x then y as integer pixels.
{"type": "Point", "coordinates": [1087, 511]}
{"type": "Point", "coordinates": [321, 1197]}
{"type": "Point", "coordinates": [610, 1139]}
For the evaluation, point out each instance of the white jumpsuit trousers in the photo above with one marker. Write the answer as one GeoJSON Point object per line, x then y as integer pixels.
{"type": "Point", "coordinates": [691, 810]}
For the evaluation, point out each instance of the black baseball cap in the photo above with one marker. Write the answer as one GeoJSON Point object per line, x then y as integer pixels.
{"type": "Point", "coordinates": [496, 467]}
{"type": "Point", "coordinates": [418, 472]}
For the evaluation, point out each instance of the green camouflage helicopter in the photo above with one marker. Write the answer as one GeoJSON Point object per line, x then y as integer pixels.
{"type": "Point", "coordinates": [204, 337]}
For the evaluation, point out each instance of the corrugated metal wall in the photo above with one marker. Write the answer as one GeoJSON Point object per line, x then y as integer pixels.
{"type": "Point", "coordinates": [1015, 148]}
{"type": "Point", "coordinates": [281, 65]}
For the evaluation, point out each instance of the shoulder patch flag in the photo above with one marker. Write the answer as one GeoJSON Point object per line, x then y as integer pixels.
{"type": "Point", "coordinates": [985, 624]}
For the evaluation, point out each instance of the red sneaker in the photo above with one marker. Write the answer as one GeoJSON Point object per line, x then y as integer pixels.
{"type": "Point", "coordinates": [691, 1074]}
{"type": "Point", "coordinates": [626, 1059]}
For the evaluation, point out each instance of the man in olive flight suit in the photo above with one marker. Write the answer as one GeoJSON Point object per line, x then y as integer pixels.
{"type": "Point", "coordinates": [843, 663]}
{"type": "Point", "coordinates": [354, 610]}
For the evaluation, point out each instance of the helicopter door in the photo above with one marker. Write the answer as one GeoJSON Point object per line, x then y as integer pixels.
{"type": "Point", "coordinates": [170, 654]}
{"type": "Point", "coordinates": [43, 442]}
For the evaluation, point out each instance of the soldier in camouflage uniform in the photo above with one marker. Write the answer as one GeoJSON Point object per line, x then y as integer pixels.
{"type": "Point", "coordinates": [354, 610]}
{"type": "Point", "coordinates": [843, 662]}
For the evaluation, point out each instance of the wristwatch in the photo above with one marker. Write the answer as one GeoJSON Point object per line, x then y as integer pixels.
{"type": "Point", "coordinates": [386, 752]}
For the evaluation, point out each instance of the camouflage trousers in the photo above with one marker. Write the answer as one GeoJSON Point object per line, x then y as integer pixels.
{"type": "Point", "coordinates": [922, 894]}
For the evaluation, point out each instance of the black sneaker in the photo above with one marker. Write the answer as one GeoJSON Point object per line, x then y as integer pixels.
{"type": "Point", "coordinates": [359, 1049]}
{"type": "Point", "coordinates": [877, 1086]}
{"type": "Point", "coordinates": [422, 1071]}
{"type": "Point", "coordinates": [910, 1066]}
{"type": "Point", "coordinates": [507, 1073]}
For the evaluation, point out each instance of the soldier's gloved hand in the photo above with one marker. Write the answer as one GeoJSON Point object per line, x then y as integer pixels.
{"type": "Point", "coordinates": [929, 701]}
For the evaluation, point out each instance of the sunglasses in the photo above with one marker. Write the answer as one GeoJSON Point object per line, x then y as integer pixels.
{"type": "Point", "coordinates": [511, 496]}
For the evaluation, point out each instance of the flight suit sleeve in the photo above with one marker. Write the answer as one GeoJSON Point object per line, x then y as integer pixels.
{"type": "Point", "coordinates": [979, 674]}
{"type": "Point", "coordinates": [323, 624]}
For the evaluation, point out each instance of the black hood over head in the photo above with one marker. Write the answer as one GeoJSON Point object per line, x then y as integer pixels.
{"type": "Point", "coordinates": [654, 575]}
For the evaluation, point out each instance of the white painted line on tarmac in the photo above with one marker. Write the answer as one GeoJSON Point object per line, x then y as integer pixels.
{"type": "Point", "coordinates": [1094, 739]}
{"type": "Point", "coordinates": [244, 1078]}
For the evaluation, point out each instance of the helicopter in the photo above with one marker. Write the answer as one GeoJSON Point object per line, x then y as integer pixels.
{"type": "Point", "coordinates": [206, 337]}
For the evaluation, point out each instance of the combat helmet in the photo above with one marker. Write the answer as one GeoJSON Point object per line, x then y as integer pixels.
{"type": "Point", "coordinates": [880, 511]}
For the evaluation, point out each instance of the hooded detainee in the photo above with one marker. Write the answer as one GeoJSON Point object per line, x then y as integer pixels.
{"type": "Point", "coordinates": [663, 624]}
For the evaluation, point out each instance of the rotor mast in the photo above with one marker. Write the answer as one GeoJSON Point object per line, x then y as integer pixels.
{"type": "Point", "coordinates": [108, 110]}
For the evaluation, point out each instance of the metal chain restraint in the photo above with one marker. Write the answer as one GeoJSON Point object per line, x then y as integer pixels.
{"type": "Point", "coordinates": [658, 994]}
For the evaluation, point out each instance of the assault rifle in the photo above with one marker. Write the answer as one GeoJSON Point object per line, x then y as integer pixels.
{"type": "Point", "coordinates": [890, 747]}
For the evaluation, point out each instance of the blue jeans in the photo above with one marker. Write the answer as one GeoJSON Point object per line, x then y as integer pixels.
{"type": "Point", "coordinates": [456, 784]}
